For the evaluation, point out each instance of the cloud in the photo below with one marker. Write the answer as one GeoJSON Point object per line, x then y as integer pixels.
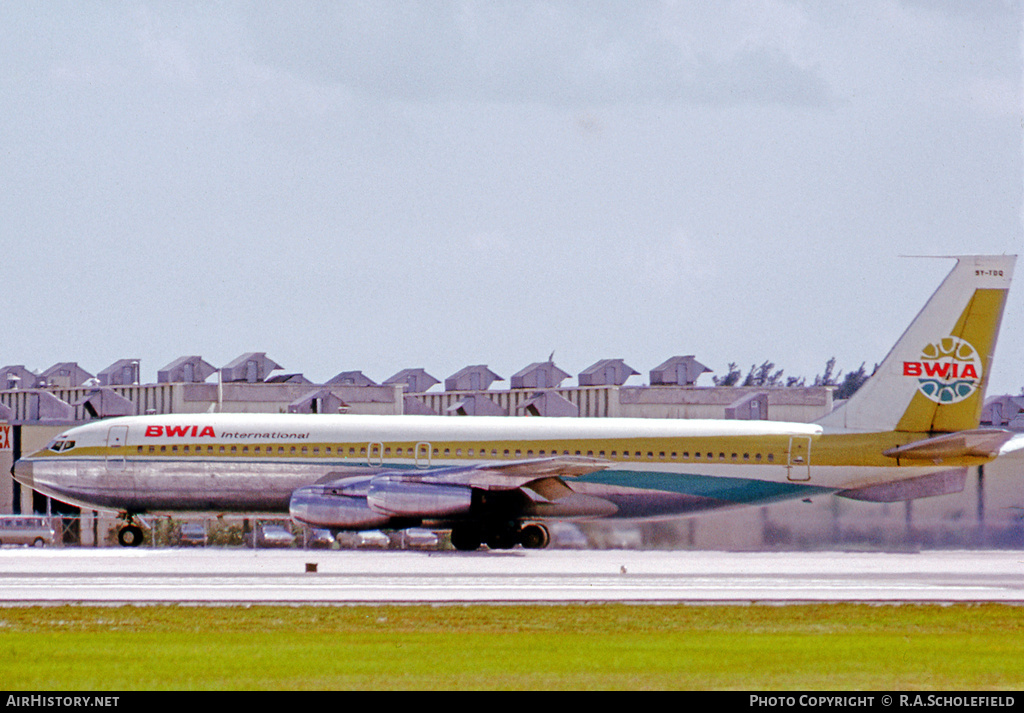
{"type": "Point", "coordinates": [553, 53]}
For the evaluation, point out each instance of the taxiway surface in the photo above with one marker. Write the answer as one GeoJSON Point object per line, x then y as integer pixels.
{"type": "Point", "coordinates": [226, 576]}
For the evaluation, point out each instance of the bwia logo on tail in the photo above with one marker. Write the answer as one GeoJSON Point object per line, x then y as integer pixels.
{"type": "Point", "coordinates": [948, 372]}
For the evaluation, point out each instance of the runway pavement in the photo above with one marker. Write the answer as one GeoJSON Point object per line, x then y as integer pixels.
{"type": "Point", "coordinates": [224, 576]}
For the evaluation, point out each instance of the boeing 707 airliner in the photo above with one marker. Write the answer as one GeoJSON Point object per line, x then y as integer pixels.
{"type": "Point", "coordinates": [911, 431]}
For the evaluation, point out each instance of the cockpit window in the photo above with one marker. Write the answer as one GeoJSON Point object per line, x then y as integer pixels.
{"type": "Point", "coordinates": [61, 444]}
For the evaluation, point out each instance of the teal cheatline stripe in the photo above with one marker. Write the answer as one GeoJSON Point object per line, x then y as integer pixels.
{"type": "Point", "coordinates": [736, 490]}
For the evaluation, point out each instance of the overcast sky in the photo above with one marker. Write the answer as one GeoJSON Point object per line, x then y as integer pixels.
{"type": "Point", "coordinates": [381, 185]}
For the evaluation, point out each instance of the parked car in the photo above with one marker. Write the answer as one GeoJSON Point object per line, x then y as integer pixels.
{"type": "Point", "coordinates": [373, 538]}
{"type": "Point", "coordinates": [26, 530]}
{"type": "Point", "coordinates": [419, 537]}
{"type": "Point", "coordinates": [317, 539]}
{"type": "Point", "coordinates": [192, 534]}
{"type": "Point", "coordinates": [271, 535]}
{"type": "Point", "coordinates": [566, 536]}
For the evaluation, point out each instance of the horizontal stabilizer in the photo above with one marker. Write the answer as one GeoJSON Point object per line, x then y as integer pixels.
{"type": "Point", "coordinates": [1013, 447]}
{"type": "Point", "coordinates": [980, 442]}
{"type": "Point", "coordinates": [945, 482]}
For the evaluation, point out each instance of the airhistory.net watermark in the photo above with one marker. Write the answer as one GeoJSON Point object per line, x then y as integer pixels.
{"type": "Point", "coordinates": [50, 701]}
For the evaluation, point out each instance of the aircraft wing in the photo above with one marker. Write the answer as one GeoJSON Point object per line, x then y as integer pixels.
{"type": "Point", "coordinates": [944, 482]}
{"type": "Point", "coordinates": [516, 473]}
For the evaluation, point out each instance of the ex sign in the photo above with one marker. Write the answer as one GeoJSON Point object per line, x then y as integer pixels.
{"type": "Point", "coordinates": [5, 436]}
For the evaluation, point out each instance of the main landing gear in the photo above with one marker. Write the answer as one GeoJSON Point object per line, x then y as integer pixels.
{"type": "Point", "coordinates": [470, 536]}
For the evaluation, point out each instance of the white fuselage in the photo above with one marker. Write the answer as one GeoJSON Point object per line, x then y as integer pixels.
{"type": "Point", "coordinates": [254, 462]}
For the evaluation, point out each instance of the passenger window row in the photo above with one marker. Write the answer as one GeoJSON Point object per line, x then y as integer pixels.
{"type": "Point", "coordinates": [352, 451]}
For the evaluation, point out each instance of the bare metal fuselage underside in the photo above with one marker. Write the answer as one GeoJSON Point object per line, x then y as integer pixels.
{"type": "Point", "coordinates": [178, 485]}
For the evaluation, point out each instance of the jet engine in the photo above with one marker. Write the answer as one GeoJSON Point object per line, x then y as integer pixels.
{"type": "Point", "coordinates": [329, 506]}
{"type": "Point", "coordinates": [372, 503]}
{"type": "Point", "coordinates": [412, 499]}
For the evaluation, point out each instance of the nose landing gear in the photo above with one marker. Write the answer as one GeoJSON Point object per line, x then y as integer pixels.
{"type": "Point", "coordinates": [130, 534]}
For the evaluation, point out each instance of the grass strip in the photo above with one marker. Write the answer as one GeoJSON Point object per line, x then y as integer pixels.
{"type": "Point", "coordinates": [597, 646]}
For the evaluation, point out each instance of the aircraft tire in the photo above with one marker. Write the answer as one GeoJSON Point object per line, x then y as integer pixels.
{"type": "Point", "coordinates": [503, 539]}
{"type": "Point", "coordinates": [534, 537]}
{"type": "Point", "coordinates": [130, 536]}
{"type": "Point", "coordinates": [466, 538]}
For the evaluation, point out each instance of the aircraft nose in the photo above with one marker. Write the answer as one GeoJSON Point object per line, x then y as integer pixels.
{"type": "Point", "coordinates": [22, 472]}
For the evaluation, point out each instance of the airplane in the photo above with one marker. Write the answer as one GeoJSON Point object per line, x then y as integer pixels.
{"type": "Point", "coordinates": [912, 430]}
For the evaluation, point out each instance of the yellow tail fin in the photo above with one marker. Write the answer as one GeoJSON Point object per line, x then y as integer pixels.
{"type": "Point", "coordinates": [934, 378]}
